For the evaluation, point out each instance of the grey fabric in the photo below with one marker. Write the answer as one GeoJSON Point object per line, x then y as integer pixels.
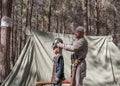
{"type": "Point", "coordinates": [35, 61]}
{"type": "Point", "coordinates": [80, 75]}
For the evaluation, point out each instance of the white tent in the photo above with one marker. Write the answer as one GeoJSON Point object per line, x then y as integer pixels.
{"type": "Point", "coordinates": [35, 61]}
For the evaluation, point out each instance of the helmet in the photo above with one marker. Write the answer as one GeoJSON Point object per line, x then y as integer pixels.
{"type": "Point", "coordinates": [57, 40]}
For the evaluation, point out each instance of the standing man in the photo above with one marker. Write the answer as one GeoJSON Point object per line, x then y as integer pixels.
{"type": "Point", "coordinates": [79, 48]}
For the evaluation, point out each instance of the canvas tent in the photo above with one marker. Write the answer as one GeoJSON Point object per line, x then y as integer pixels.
{"type": "Point", "coordinates": [35, 61]}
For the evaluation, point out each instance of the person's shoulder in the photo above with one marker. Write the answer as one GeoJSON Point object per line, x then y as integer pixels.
{"type": "Point", "coordinates": [61, 56]}
{"type": "Point", "coordinates": [61, 59]}
{"type": "Point", "coordinates": [83, 39]}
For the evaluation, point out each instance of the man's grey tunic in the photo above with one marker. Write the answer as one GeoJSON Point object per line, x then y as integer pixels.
{"type": "Point", "coordinates": [79, 48]}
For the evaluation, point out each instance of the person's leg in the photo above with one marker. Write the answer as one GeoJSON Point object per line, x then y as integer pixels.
{"type": "Point", "coordinates": [81, 82]}
{"type": "Point", "coordinates": [55, 84]}
{"type": "Point", "coordinates": [58, 84]}
{"type": "Point", "coordinates": [78, 77]}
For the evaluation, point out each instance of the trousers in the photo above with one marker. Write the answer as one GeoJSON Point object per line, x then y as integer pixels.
{"type": "Point", "coordinates": [58, 84]}
{"type": "Point", "coordinates": [80, 74]}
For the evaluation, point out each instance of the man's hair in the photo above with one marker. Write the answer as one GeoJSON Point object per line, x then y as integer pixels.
{"type": "Point", "coordinates": [80, 29]}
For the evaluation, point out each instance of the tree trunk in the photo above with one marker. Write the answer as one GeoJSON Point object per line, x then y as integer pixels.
{"type": "Point", "coordinates": [0, 15]}
{"type": "Point", "coordinates": [37, 23]}
{"type": "Point", "coordinates": [27, 9]}
{"type": "Point", "coordinates": [57, 20]}
{"type": "Point", "coordinates": [97, 15]}
{"type": "Point", "coordinates": [15, 35]}
{"type": "Point", "coordinates": [49, 16]}
{"type": "Point", "coordinates": [1, 54]}
{"type": "Point", "coordinates": [12, 39]}
{"type": "Point", "coordinates": [31, 11]}
{"type": "Point", "coordinates": [115, 40]}
{"type": "Point", "coordinates": [27, 19]}
{"type": "Point", "coordinates": [90, 17]}
{"type": "Point", "coordinates": [21, 33]}
{"type": "Point", "coordinates": [107, 29]}
{"type": "Point", "coordinates": [85, 14]}
{"type": "Point", "coordinates": [5, 41]}
{"type": "Point", "coordinates": [0, 9]}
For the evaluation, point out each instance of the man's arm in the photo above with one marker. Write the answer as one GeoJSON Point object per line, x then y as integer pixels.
{"type": "Point", "coordinates": [72, 47]}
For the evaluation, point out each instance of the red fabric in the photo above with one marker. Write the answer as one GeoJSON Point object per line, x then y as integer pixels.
{"type": "Point", "coordinates": [65, 82]}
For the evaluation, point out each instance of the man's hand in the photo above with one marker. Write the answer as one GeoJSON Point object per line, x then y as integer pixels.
{"type": "Point", "coordinates": [57, 79]}
{"type": "Point", "coordinates": [76, 62]}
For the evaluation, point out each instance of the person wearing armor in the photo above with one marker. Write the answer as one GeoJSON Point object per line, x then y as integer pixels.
{"type": "Point", "coordinates": [79, 48]}
{"type": "Point", "coordinates": [58, 64]}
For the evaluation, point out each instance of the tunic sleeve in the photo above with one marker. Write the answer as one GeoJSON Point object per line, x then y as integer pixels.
{"type": "Point", "coordinates": [75, 46]}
